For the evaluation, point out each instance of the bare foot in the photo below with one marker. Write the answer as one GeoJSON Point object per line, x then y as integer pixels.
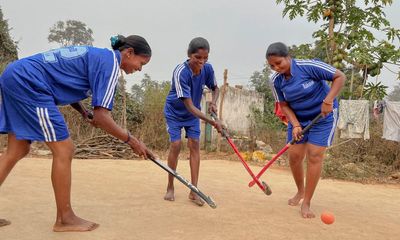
{"type": "Point", "coordinates": [306, 211]}
{"type": "Point", "coordinates": [74, 224]}
{"type": "Point", "coordinates": [294, 201]}
{"type": "Point", "coordinates": [4, 222]}
{"type": "Point", "coordinates": [196, 199]}
{"type": "Point", "coordinates": [169, 196]}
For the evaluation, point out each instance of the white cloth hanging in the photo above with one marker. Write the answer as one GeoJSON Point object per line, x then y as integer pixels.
{"type": "Point", "coordinates": [354, 119]}
{"type": "Point", "coordinates": [391, 121]}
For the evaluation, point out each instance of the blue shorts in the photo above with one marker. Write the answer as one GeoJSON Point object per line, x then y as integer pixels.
{"type": "Point", "coordinates": [192, 129]}
{"type": "Point", "coordinates": [31, 120]}
{"type": "Point", "coordinates": [321, 133]}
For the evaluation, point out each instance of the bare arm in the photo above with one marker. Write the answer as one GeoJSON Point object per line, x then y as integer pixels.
{"type": "Point", "coordinates": [337, 85]}
{"type": "Point", "coordinates": [213, 104]}
{"type": "Point", "coordinates": [102, 119]}
{"type": "Point", "coordinates": [196, 112]}
{"type": "Point", "coordinates": [296, 127]}
{"type": "Point", "coordinates": [289, 113]}
{"type": "Point", "coordinates": [81, 109]}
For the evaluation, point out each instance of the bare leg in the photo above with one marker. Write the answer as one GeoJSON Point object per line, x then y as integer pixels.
{"type": "Point", "coordinates": [66, 220]}
{"type": "Point", "coordinates": [296, 157]}
{"type": "Point", "coordinates": [174, 151]}
{"type": "Point", "coordinates": [16, 150]}
{"type": "Point", "coordinates": [194, 147]}
{"type": "Point", "coordinates": [314, 165]}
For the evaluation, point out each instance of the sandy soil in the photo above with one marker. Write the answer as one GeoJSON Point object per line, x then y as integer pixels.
{"type": "Point", "coordinates": [126, 199]}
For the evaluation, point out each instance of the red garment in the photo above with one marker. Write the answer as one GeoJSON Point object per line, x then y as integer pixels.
{"type": "Point", "coordinates": [278, 112]}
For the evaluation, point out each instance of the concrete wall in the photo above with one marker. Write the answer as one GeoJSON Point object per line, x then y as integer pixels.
{"type": "Point", "coordinates": [236, 107]}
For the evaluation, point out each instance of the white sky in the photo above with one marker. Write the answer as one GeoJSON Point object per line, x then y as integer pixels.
{"type": "Point", "coordinates": [238, 31]}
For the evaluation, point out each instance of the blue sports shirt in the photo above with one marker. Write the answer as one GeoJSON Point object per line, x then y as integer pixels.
{"type": "Point", "coordinates": [66, 75]}
{"type": "Point", "coordinates": [306, 89]}
{"type": "Point", "coordinates": [186, 85]}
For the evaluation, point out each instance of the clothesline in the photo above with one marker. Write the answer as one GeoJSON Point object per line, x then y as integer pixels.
{"type": "Point", "coordinates": [354, 119]}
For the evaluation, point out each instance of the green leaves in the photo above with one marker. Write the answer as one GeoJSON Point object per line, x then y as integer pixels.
{"type": "Point", "coordinates": [375, 91]}
{"type": "Point", "coordinates": [8, 47]}
{"type": "Point", "coordinates": [314, 14]}
{"type": "Point", "coordinates": [349, 28]}
{"type": "Point", "coordinates": [71, 32]}
{"type": "Point", "coordinates": [392, 33]}
{"type": "Point", "coordinates": [298, 8]}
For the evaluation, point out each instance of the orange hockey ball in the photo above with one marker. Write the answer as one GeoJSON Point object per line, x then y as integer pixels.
{"type": "Point", "coordinates": [327, 218]}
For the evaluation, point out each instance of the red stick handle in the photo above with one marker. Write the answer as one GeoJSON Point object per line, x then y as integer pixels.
{"type": "Point", "coordinates": [255, 179]}
{"type": "Point", "coordinates": [284, 149]}
{"type": "Point", "coordinates": [270, 163]}
{"type": "Point", "coordinates": [225, 134]}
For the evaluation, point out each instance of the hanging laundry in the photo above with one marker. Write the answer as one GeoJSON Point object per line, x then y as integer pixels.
{"type": "Point", "coordinates": [391, 121]}
{"type": "Point", "coordinates": [378, 108]}
{"type": "Point", "coordinates": [354, 119]}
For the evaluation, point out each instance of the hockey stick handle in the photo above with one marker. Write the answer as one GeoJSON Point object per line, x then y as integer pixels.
{"type": "Point", "coordinates": [308, 127]}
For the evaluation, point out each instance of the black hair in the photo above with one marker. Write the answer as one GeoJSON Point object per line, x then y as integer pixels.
{"type": "Point", "coordinates": [198, 43]}
{"type": "Point", "coordinates": [277, 49]}
{"type": "Point", "coordinates": [138, 43]}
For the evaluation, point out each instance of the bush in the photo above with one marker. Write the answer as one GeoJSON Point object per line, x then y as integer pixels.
{"type": "Point", "coordinates": [363, 160]}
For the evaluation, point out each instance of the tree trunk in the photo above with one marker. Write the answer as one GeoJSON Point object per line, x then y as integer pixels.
{"type": "Point", "coordinates": [332, 33]}
{"type": "Point", "coordinates": [351, 83]}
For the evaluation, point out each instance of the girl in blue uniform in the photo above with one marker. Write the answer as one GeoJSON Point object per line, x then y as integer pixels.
{"type": "Point", "coordinates": [182, 110]}
{"type": "Point", "coordinates": [302, 92]}
{"type": "Point", "coordinates": [32, 87]}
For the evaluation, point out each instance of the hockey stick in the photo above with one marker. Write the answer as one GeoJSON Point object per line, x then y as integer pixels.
{"type": "Point", "coordinates": [207, 199]}
{"type": "Point", "coordinates": [284, 150]}
{"type": "Point", "coordinates": [263, 186]}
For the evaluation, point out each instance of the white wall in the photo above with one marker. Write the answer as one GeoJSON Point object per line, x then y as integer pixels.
{"type": "Point", "coordinates": [236, 107]}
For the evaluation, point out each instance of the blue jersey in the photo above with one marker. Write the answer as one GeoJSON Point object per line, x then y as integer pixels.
{"type": "Point", "coordinates": [64, 76]}
{"type": "Point", "coordinates": [187, 85]}
{"type": "Point", "coordinates": [305, 90]}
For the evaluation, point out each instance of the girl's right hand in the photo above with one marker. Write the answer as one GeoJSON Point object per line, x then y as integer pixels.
{"type": "Point", "coordinates": [139, 148]}
{"type": "Point", "coordinates": [296, 133]}
{"type": "Point", "coordinates": [218, 125]}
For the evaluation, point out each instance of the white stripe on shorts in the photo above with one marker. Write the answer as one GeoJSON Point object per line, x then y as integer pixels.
{"type": "Point", "coordinates": [335, 119]}
{"type": "Point", "coordinates": [50, 124]}
{"type": "Point", "coordinates": [42, 123]}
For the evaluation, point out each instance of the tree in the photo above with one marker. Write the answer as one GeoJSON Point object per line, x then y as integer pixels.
{"type": "Point", "coordinates": [375, 91]}
{"type": "Point", "coordinates": [260, 82]}
{"type": "Point", "coordinates": [8, 47]}
{"type": "Point", "coordinates": [148, 100]}
{"type": "Point", "coordinates": [352, 89]}
{"type": "Point", "coordinates": [347, 32]}
{"type": "Point", "coordinates": [71, 32]}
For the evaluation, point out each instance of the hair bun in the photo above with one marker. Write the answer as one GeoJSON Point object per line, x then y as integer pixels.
{"type": "Point", "coordinates": [114, 41]}
{"type": "Point", "coordinates": [117, 41]}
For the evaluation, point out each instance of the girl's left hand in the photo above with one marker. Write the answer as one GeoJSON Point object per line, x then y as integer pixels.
{"type": "Point", "coordinates": [326, 108]}
{"type": "Point", "coordinates": [212, 107]}
{"type": "Point", "coordinates": [88, 117]}
{"type": "Point", "coordinates": [296, 133]}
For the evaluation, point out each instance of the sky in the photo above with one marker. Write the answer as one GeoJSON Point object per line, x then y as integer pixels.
{"type": "Point", "coordinates": [238, 31]}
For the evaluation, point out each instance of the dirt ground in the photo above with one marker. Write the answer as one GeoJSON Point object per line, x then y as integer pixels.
{"type": "Point", "coordinates": [126, 199]}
